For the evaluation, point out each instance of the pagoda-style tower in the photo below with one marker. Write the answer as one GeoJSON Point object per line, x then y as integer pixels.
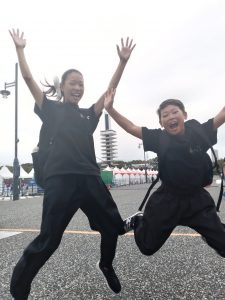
{"type": "Point", "coordinates": [108, 143]}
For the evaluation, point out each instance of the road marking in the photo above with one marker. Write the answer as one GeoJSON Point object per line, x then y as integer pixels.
{"type": "Point", "coordinates": [4, 234]}
{"type": "Point", "coordinates": [20, 230]}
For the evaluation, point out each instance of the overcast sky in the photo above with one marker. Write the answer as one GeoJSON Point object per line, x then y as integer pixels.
{"type": "Point", "coordinates": [180, 53]}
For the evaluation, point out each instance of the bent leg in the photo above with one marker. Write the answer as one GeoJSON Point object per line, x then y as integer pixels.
{"type": "Point", "coordinates": [100, 208]}
{"type": "Point", "coordinates": [159, 219]}
{"type": "Point", "coordinates": [207, 222]}
{"type": "Point", "coordinates": [57, 212]}
{"type": "Point", "coordinates": [103, 216]}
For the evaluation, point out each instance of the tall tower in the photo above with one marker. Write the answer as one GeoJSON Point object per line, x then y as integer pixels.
{"type": "Point", "coordinates": [108, 142]}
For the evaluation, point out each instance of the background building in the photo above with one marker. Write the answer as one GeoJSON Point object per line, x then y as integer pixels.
{"type": "Point", "coordinates": [108, 143]}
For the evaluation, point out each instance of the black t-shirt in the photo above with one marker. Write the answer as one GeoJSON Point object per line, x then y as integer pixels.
{"type": "Point", "coordinates": [179, 166]}
{"type": "Point", "coordinates": [72, 149]}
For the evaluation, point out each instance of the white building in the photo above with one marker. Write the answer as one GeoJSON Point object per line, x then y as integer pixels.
{"type": "Point", "coordinates": [108, 143]}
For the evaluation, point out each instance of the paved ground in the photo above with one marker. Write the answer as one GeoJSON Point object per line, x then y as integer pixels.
{"type": "Point", "coordinates": [184, 268]}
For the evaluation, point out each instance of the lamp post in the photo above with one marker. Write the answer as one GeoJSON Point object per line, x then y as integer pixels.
{"type": "Point", "coordinates": [146, 175]}
{"type": "Point", "coordinates": [16, 167]}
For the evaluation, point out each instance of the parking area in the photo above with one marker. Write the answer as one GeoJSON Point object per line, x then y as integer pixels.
{"type": "Point", "coordinates": [184, 268]}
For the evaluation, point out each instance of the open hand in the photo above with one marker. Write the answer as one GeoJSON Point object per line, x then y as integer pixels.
{"type": "Point", "coordinates": [18, 39]}
{"type": "Point", "coordinates": [126, 49]}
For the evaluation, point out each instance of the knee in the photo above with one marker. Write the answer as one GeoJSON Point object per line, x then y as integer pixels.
{"type": "Point", "coordinates": [146, 251]}
{"type": "Point", "coordinates": [48, 244]}
{"type": "Point", "coordinates": [146, 247]}
{"type": "Point", "coordinates": [221, 253]}
{"type": "Point", "coordinates": [52, 245]}
{"type": "Point", "coordinates": [216, 248]}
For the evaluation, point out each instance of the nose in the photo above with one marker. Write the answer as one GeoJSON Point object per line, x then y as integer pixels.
{"type": "Point", "coordinates": [171, 116]}
{"type": "Point", "coordinates": [77, 87]}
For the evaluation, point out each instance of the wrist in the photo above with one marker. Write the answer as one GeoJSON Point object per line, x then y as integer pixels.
{"type": "Point", "coordinates": [20, 50]}
{"type": "Point", "coordinates": [109, 109]}
{"type": "Point", "coordinates": [123, 61]}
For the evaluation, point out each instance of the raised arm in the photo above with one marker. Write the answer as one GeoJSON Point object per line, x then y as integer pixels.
{"type": "Point", "coordinates": [124, 53]}
{"type": "Point", "coordinates": [20, 44]}
{"type": "Point", "coordinates": [219, 119]}
{"type": "Point", "coordinates": [123, 122]}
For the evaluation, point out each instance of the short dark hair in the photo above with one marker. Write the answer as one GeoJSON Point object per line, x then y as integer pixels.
{"type": "Point", "coordinates": [167, 102]}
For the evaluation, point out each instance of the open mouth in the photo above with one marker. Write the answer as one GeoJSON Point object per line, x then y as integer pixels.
{"type": "Point", "coordinates": [173, 125]}
{"type": "Point", "coordinates": [76, 96]}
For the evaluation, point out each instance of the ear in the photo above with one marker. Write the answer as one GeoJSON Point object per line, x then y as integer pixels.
{"type": "Point", "coordinates": [185, 115]}
{"type": "Point", "coordinates": [61, 88]}
{"type": "Point", "coordinates": [160, 123]}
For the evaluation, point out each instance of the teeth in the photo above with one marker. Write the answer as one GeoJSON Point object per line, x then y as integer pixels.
{"type": "Point", "coordinates": [173, 125]}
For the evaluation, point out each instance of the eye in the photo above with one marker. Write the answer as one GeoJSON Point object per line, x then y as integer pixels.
{"type": "Point", "coordinates": [164, 116]}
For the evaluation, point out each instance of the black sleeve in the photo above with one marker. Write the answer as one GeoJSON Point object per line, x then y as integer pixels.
{"type": "Point", "coordinates": [210, 131]}
{"type": "Point", "coordinates": [45, 113]}
{"type": "Point", "coordinates": [150, 139]}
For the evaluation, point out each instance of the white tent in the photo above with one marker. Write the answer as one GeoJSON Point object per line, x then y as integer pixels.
{"type": "Point", "coordinates": [123, 171]}
{"type": "Point", "coordinates": [5, 173]}
{"type": "Point", "coordinates": [116, 170]}
{"type": "Point", "coordinates": [24, 174]}
{"type": "Point", "coordinates": [107, 169]}
{"type": "Point", "coordinates": [1, 183]}
{"type": "Point", "coordinates": [31, 173]}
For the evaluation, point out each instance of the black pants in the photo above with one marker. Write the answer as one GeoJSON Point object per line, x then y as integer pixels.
{"type": "Point", "coordinates": [64, 195]}
{"type": "Point", "coordinates": [166, 209]}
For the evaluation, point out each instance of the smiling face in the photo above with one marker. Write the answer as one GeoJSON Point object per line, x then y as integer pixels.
{"type": "Point", "coordinates": [72, 87]}
{"type": "Point", "coordinates": [172, 119]}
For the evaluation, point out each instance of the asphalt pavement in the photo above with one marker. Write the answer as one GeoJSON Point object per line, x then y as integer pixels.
{"type": "Point", "coordinates": [184, 268]}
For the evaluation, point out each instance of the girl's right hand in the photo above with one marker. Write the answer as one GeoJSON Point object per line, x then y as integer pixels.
{"type": "Point", "coordinates": [126, 49]}
{"type": "Point", "coordinates": [18, 39]}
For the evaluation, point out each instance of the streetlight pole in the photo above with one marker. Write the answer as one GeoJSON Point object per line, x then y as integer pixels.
{"type": "Point", "coordinates": [16, 166]}
{"type": "Point", "coordinates": [146, 175]}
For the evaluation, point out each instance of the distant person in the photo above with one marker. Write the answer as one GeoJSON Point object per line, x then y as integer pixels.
{"type": "Point", "coordinates": [72, 176]}
{"type": "Point", "coordinates": [181, 198]}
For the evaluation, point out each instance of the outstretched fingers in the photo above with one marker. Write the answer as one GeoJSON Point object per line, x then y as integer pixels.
{"type": "Point", "coordinates": [128, 44]}
{"type": "Point", "coordinates": [126, 48]}
{"type": "Point", "coordinates": [18, 37]}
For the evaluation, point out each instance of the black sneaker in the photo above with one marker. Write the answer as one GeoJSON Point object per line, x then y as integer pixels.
{"type": "Point", "coordinates": [110, 277]}
{"type": "Point", "coordinates": [129, 223]}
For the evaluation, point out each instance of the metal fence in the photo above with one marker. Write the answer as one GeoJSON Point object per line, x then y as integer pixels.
{"type": "Point", "coordinates": [25, 191]}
